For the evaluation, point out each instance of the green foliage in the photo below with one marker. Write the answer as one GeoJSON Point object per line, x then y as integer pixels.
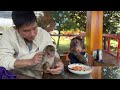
{"type": "Point", "coordinates": [60, 17]}
{"type": "Point", "coordinates": [111, 20]}
{"type": "Point", "coordinates": [67, 20]}
{"type": "Point", "coordinates": [70, 19]}
{"type": "Point", "coordinates": [118, 31]}
{"type": "Point", "coordinates": [63, 45]}
{"type": "Point", "coordinates": [77, 19]}
{"type": "Point", "coordinates": [114, 43]}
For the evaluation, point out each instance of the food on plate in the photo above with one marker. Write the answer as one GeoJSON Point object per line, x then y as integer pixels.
{"type": "Point", "coordinates": [79, 68]}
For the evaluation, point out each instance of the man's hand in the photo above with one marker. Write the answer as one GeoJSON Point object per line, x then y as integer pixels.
{"type": "Point", "coordinates": [58, 69]}
{"type": "Point", "coordinates": [37, 58]}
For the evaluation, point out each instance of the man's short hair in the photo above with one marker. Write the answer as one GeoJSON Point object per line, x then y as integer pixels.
{"type": "Point", "coordinates": [21, 18]}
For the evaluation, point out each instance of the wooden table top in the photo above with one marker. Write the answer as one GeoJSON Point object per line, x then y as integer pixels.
{"type": "Point", "coordinates": [98, 72]}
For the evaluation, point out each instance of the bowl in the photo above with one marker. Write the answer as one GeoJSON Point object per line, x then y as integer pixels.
{"type": "Point", "coordinates": [79, 68]}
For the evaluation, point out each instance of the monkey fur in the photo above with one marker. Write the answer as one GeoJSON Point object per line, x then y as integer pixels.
{"type": "Point", "coordinates": [49, 62]}
{"type": "Point", "coordinates": [76, 52]}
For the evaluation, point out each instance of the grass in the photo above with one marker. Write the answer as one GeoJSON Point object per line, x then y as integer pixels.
{"type": "Point", "coordinates": [63, 44]}
{"type": "Point", "coordinates": [113, 45]}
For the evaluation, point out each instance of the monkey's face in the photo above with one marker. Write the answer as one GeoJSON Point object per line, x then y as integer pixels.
{"type": "Point", "coordinates": [50, 51]}
{"type": "Point", "coordinates": [75, 43]}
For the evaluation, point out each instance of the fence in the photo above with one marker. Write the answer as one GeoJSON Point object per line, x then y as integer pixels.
{"type": "Point", "coordinates": [106, 42]}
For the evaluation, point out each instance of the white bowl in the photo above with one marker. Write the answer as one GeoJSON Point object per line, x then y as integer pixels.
{"type": "Point", "coordinates": [85, 69]}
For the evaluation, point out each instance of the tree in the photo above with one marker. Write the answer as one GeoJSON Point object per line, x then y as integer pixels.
{"type": "Point", "coordinates": [70, 19]}
{"type": "Point", "coordinates": [60, 18]}
{"type": "Point", "coordinates": [66, 20]}
{"type": "Point", "coordinates": [111, 20]}
{"type": "Point", "coordinates": [46, 21]}
{"type": "Point", "coordinates": [77, 19]}
{"type": "Point", "coordinates": [80, 18]}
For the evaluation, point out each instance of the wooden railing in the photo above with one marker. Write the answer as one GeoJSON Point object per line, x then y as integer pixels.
{"type": "Point", "coordinates": [81, 35]}
{"type": "Point", "coordinates": [106, 42]}
{"type": "Point", "coordinates": [106, 38]}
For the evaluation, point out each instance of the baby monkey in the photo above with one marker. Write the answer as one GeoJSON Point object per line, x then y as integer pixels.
{"type": "Point", "coordinates": [49, 62]}
{"type": "Point", "coordinates": [49, 59]}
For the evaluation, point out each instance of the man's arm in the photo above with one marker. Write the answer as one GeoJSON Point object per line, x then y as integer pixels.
{"type": "Point", "coordinates": [7, 52]}
{"type": "Point", "coordinates": [29, 62]}
{"type": "Point", "coordinates": [22, 63]}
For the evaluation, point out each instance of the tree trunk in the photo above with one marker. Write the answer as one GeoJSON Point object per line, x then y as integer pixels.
{"type": "Point", "coordinates": [58, 40]}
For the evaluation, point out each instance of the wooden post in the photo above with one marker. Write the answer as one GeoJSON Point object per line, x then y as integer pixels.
{"type": "Point", "coordinates": [104, 41]}
{"type": "Point", "coordinates": [108, 48]}
{"type": "Point", "coordinates": [94, 30]}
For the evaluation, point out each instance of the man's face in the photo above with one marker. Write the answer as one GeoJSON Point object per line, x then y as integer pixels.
{"type": "Point", "coordinates": [28, 32]}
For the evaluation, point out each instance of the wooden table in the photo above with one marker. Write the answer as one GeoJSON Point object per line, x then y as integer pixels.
{"type": "Point", "coordinates": [66, 74]}
{"type": "Point", "coordinates": [95, 74]}
{"type": "Point", "coordinates": [97, 67]}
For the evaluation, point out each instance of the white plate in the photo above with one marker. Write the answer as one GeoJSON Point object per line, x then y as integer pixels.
{"type": "Point", "coordinates": [84, 69]}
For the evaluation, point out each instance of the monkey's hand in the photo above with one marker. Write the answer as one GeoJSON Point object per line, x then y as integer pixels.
{"type": "Point", "coordinates": [58, 69]}
{"type": "Point", "coordinates": [46, 67]}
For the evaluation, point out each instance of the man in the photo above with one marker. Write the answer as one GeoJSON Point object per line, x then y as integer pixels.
{"type": "Point", "coordinates": [23, 46]}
